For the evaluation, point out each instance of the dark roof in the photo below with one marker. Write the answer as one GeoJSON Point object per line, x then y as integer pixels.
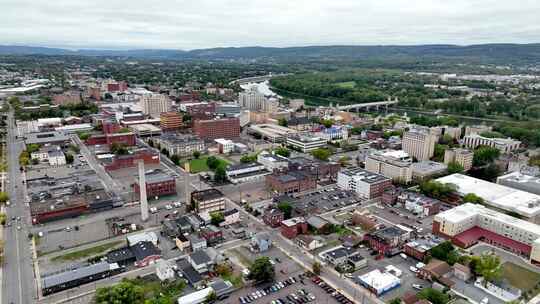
{"type": "Point", "coordinates": [75, 274]}
{"type": "Point", "coordinates": [199, 257]}
{"type": "Point", "coordinates": [242, 166]}
{"type": "Point", "coordinates": [189, 272]}
{"type": "Point", "coordinates": [389, 232]}
{"type": "Point", "coordinates": [356, 257]}
{"type": "Point", "coordinates": [207, 194]}
{"type": "Point", "coordinates": [221, 287]}
{"type": "Point", "coordinates": [182, 222]}
{"type": "Point", "coordinates": [144, 249]}
{"type": "Point", "coordinates": [120, 255]}
{"type": "Point", "coordinates": [230, 212]}
{"type": "Point", "coordinates": [340, 252]}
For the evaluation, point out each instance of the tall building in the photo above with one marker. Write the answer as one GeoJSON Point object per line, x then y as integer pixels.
{"type": "Point", "coordinates": [419, 144]}
{"type": "Point", "coordinates": [463, 157]}
{"type": "Point", "coordinates": [505, 145]}
{"type": "Point", "coordinates": [392, 164]}
{"type": "Point", "coordinates": [211, 129]}
{"type": "Point", "coordinates": [362, 182]}
{"type": "Point", "coordinates": [170, 121]}
{"type": "Point", "coordinates": [255, 101]}
{"type": "Point", "coordinates": [155, 104]}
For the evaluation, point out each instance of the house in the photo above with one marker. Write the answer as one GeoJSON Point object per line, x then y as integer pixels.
{"type": "Point", "coordinates": [170, 229]}
{"type": "Point", "coordinates": [462, 272]}
{"type": "Point", "coordinates": [339, 256]}
{"type": "Point", "coordinates": [190, 274]}
{"type": "Point", "coordinates": [309, 243]}
{"type": "Point", "coordinates": [142, 237]}
{"type": "Point", "coordinates": [273, 217]}
{"type": "Point", "coordinates": [389, 240]}
{"type": "Point", "coordinates": [261, 242]}
{"type": "Point", "coordinates": [231, 216]}
{"type": "Point", "coordinates": [146, 253]}
{"type": "Point", "coordinates": [200, 261]}
{"type": "Point", "coordinates": [182, 242]}
{"type": "Point", "coordinates": [222, 288]}
{"type": "Point", "coordinates": [292, 227]}
{"type": "Point", "coordinates": [437, 270]}
{"type": "Point", "coordinates": [183, 224]}
{"type": "Point", "coordinates": [165, 270]}
{"type": "Point", "coordinates": [212, 235]}
{"type": "Point", "coordinates": [195, 221]}
{"type": "Point", "coordinates": [357, 261]}
{"type": "Point", "coordinates": [420, 248]}
{"type": "Point", "coordinates": [196, 242]}
{"type": "Point", "coordinates": [319, 224]}
{"type": "Point", "coordinates": [350, 240]}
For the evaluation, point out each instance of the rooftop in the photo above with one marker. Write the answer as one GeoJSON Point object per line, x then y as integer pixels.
{"type": "Point", "coordinates": [428, 166]}
{"type": "Point", "coordinates": [75, 274]}
{"type": "Point", "coordinates": [46, 137]}
{"type": "Point", "coordinates": [293, 221]}
{"type": "Point", "coordinates": [199, 257]}
{"type": "Point", "coordinates": [205, 195]}
{"type": "Point", "coordinates": [364, 175]}
{"type": "Point", "coordinates": [499, 196]}
{"type": "Point", "coordinates": [144, 249]}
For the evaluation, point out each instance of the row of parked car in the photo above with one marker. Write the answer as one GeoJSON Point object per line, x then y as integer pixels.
{"type": "Point", "coordinates": [301, 296]}
{"type": "Point", "coordinates": [266, 291]}
{"type": "Point", "coordinates": [336, 294]}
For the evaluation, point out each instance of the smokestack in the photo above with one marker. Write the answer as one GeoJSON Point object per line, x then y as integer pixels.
{"type": "Point", "coordinates": [142, 192]}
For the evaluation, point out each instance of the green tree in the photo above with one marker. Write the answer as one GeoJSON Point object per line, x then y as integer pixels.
{"type": "Point", "coordinates": [196, 154]}
{"type": "Point", "coordinates": [69, 158]}
{"type": "Point", "coordinates": [395, 301]}
{"type": "Point", "coordinates": [262, 270]}
{"type": "Point", "coordinates": [434, 296]}
{"type": "Point", "coordinates": [454, 167]}
{"type": "Point", "coordinates": [327, 123]}
{"type": "Point", "coordinates": [212, 162]}
{"type": "Point", "coordinates": [286, 208]}
{"type": "Point", "coordinates": [472, 198]}
{"type": "Point", "coordinates": [217, 217]}
{"type": "Point", "coordinates": [125, 292]}
{"type": "Point", "coordinates": [282, 151]}
{"type": "Point", "coordinates": [123, 130]}
{"type": "Point", "coordinates": [83, 135]}
{"type": "Point", "coordinates": [484, 155]}
{"type": "Point", "coordinates": [316, 268]}
{"type": "Point", "coordinates": [119, 149]}
{"type": "Point", "coordinates": [175, 159]}
{"type": "Point", "coordinates": [489, 267]}
{"type": "Point", "coordinates": [220, 175]}
{"type": "Point", "coordinates": [321, 154]}
{"type": "Point", "coordinates": [4, 197]}
{"type": "Point", "coordinates": [3, 219]}
{"type": "Point", "coordinates": [246, 159]}
{"type": "Point", "coordinates": [75, 148]}
{"type": "Point", "coordinates": [437, 189]}
{"type": "Point", "coordinates": [211, 297]}
{"type": "Point", "coordinates": [283, 122]}
{"type": "Point", "coordinates": [32, 148]}
{"type": "Point", "coordinates": [344, 161]}
{"type": "Point", "coordinates": [445, 252]}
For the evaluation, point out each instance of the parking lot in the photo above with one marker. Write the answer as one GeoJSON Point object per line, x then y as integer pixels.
{"type": "Point", "coordinates": [395, 216]}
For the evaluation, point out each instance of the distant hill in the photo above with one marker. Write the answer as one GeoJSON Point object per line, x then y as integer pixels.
{"type": "Point", "coordinates": [482, 53]}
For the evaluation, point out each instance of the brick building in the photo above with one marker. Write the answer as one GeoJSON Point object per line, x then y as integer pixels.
{"type": "Point", "coordinates": [290, 182]}
{"type": "Point", "coordinates": [170, 121]}
{"type": "Point", "coordinates": [212, 235]}
{"type": "Point", "coordinates": [127, 139]}
{"type": "Point", "coordinates": [201, 110]}
{"type": "Point", "coordinates": [157, 184]}
{"type": "Point", "coordinates": [211, 129]}
{"type": "Point", "coordinates": [320, 170]}
{"type": "Point", "coordinates": [292, 227]}
{"type": "Point", "coordinates": [388, 241]}
{"type": "Point", "coordinates": [130, 160]}
{"type": "Point", "coordinates": [71, 97]}
{"type": "Point", "coordinates": [273, 217]}
{"type": "Point", "coordinates": [207, 201]}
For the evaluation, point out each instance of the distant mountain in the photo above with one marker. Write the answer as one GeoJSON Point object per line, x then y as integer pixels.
{"type": "Point", "coordinates": [488, 53]}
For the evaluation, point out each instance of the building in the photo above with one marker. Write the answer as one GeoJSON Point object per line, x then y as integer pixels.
{"type": "Point", "coordinates": [155, 104]}
{"type": "Point", "coordinates": [227, 109]}
{"type": "Point", "coordinates": [273, 217]}
{"type": "Point", "coordinates": [309, 242]}
{"type": "Point", "coordinates": [469, 224]}
{"type": "Point", "coordinates": [211, 234]}
{"type": "Point", "coordinates": [418, 204]}
{"type": "Point", "coordinates": [290, 182]}
{"type": "Point", "coordinates": [68, 98]}
{"type": "Point", "coordinates": [158, 183]}
{"type": "Point", "coordinates": [362, 182]}
{"type": "Point", "coordinates": [231, 216]}
{"type": "Point", "coordinates": [478, 129]}
{"type": "Point", "coordinates": [146, 253]}
{"type": "Point", "coordinates": [181, 145]}
{"type": "Point", "coordinates": [292, 227]}
{"type": "Point", "coordinates": [261, 242]}
{"type": "Point", "coordinates": [199, 110]}
{"type": "Point", "coordinates": [427, 169]}
{"type": "Point", "coordinates": [271, 132]}
{"type": "Point", "coordinates": [254, 101]}
{"type": "Point", "coordinates": [77, 277]}
{"type": "Point", "coordinates": [319, 224]}
{"type": "Point", "coordinates": [225, 146]}
{"type": "Point", "coordinates": [272, 161]}
{"type": "Point", "coordinates": [208, 201]}
{"type": "Point", "coordinates": [319, 170]}
{"type": "Point", "coordinates": [43, 138]}
{"type": "Point", "coordinates": [379, 282]}
{"type": "Point", "coordinates": [392, 164]}
{"type": "Point", "coordinates": [420, 248]}
{"type": "Point", "coordinates": [388, 241]}
{"type": "Point", "coordinates": [142, 237]}
{"type": "Point", "coordinates": [505, 145]}
{"type": "Point", "coordinates": [305, 143]}
{"type": "Point", "coordinates": [296, 104]}
{"type": "Point", "coordinates": [357, 261]}
{"type": "Point", "coordinates": [419, 144]}
{"type": "Point", "coordinates": [246, 172]}
{"type": "Point", "coordinates": [498, 197]}
{"type": "Point", "coordinates": [127, 139]}
{"type": "Point", "coordinates": [517, 180]}
{"type": "Point", "coordinates": [122, 256]}
{"type": "Point", "coordinates": [130, 160]}
{"type": "Point", "coordinates": [51, 153]}
{"type": "Point", "coordinates": [200, 261]}
{"type": "Point", "coordinates": [334, 133]}
{"type": "Point", "coordinates": [462, 272]}
{"type": "Point", "coordinates": [170, 121]}
{"type": "Point", "coordinates": [211, 129]}
{"type": "Point", "coordinates": [437, 270]}
{"type": "Point", "coordinates": [463, 157]}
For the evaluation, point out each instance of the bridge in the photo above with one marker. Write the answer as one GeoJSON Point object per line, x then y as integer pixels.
{"type": "Point", "coordinates": [256, 78]}
{"type": "Point", "coordinates": [368, 105]}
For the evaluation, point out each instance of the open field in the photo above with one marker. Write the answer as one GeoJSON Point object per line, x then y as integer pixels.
{"type": "Point", "coordinates": [88, 252]}
{"type": "Point", "coordinates": [199, 165]}
{"type": "Point", "coordinates": [347, 84]}
{"type": "Point", "coordinates": [520, 277]}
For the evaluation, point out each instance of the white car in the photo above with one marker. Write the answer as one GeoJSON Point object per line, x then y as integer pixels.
{"type": "Point", "coordinates": [403, 256]}
{"type": "Point", "coordinates": [413, 269]}
{"type": "Point", "coordinates": [485, 301]}
{"type": "Point", "coordinates": [177, 204]}
{"type": "Point", "coordinates": [168, 207]}
{"type": "Point", "coordinates": [417, 286]}
{"type": "Point", "coordinates": [153, 210]}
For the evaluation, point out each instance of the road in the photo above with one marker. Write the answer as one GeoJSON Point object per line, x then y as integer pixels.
{"type": "Point", "coordinates": [18, 284]}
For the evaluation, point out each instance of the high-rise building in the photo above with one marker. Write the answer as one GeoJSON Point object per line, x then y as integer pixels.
{"type": "Point", "coordinates": [255, 101]}
{"type": "Point", "coordinates": [211, 129]}
{"type": "Point", "coordinates": [463, 157]}
{"type": "Point", "coordinates": [392, 164]}
{"type": "Point", "coordinates": [170, 121]}
{"type": "Point", "coordinates": [419, 144]}
{"type": "Point", "coordinates": [155, 104]}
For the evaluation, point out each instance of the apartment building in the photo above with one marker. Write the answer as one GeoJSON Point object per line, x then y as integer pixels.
{"type": "Point", "coordinates": [306, 143]}
{"type": "Point", "coordinates": [170, 121]}
{"type": "Point", "coordinates": [463, 157]}
{"type": "Point", "coordinates": [419, 144]}
{"type": "Point", "coordinates": [505, 145]}
{"type": "Point", "coordinates": [364, 183]}
{"type": "Point", "coordinates": [207, 201]}
{"type": "Point", "coordinates": [182, 145]}
{"type": "Point", "coordinates": [211, 129]}
{"type": "Point", "coordinates": [155, 104]}
{"type": "Point", "coordinates": [395, 165]}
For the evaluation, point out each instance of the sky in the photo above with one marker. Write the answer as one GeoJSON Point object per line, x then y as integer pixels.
{"type": "Point", "coordinates": [193, 24]}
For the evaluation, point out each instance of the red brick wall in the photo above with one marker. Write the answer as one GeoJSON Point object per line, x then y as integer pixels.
{"type": "Point", "coordinates": [228, 128]}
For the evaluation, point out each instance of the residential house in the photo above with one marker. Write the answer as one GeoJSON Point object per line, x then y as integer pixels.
{"type": "Point", "coordinates": [146, 253]}
{"type": "Point", "coordinates": [200, 261]}
{"type": "Point", "coordinates": [309, 242]}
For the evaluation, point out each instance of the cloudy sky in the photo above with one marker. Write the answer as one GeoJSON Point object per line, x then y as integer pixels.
{"type": "Point", "coordinates": [194, 24]}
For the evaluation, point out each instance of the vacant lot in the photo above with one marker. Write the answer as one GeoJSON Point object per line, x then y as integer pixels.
{"type": "Point", "coordinates": [347, 84]}
{"type": "Point", "coordinates": [520, 277]}
{"type": "Point", "coordinates": [88, 252]}
{"type": "Point", "coordinates": [199, 165]}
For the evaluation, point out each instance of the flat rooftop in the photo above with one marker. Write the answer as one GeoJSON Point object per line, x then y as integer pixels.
{"type": "Point", "coordinates": [499, 196]}
{"type": "Point", "coordinates": [428, 166]}
{"type": "Point", "coordinates": [205, 195]}
{"type": "Point", "coordinates": [364, 175]}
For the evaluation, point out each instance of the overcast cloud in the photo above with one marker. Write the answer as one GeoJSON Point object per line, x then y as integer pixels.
{"type": "Point", "coordinates": [220, 23]}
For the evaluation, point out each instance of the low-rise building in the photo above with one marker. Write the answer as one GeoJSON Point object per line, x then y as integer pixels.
{"type": "Point", "coordinates": [200, 261]}
{"type": "Point", "coordinates": [292, 227]}
{"type": "Point", "coordinates": [158, 183]}
{"type": "Point", "coordinates": [246, 172]}
{"type": "Point", "coordinates": [309, 242]}
{"type": "Point", "coordinates": [208, 201]}
{"type": "Point", "coordinates": [421, 248]}
{"type": "Point", "coordinates": [305, 143]}
{"type": "Point", "coordinates": [271, 132]}
{"type": "Point", "coordinates": [261, 242]}
{"type": "Point", "coordinates": [505, 145]}
{"type": "Point", "coordinates": [379, 282]}
{"type": "Point", "coordinates": [273, 217]}
{"type": "Point", "coordinates": [418, 204]}
{"type": "Point", "coordinates": [181, 145]}
{"type": "Point", "coordinates": [427, 169]}
{"type": "Point", "coordinates": [362, 182]}
{"type": "Point", "coordinates": [290, 182]}
{"type": "Point", "coordinates": [388, 241]}
{"type": "Point", "coordinates": [231, 216]}
{"type": "Point", "coordinates": [272, 161]}
{"type": "Point", "coordinates": [392, 164]}
{"type": "Point", "coordinates": [211, 234]}
{"type": "Point", "coordinates": [117, 162]}
{"type": "Point", "coordinates": [146, 253]}
{"type": "Point", "coordinates": [520, 181]}
{"type": "Point", "coordinates": [339, 256]}
{"type": "Point", "coordinates": [463, 157]}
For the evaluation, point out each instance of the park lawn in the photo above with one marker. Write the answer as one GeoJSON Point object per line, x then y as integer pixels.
{"type": "Point", "coordinates": [88, 252]}
{"type": "Point", "coordinates": [520, 277]}
{"type": "Point", "coordinates": [199, 165]}
{"type": "Point", "coordinates": [347, 84]}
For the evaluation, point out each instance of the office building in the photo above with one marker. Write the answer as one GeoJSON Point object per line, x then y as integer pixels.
{"type": "Point", "coordinates": [254, 101]}
{"type": "Point", "coordinates": [246, 172]}
{"type": "Point", "coordinates": [170, 121]}
{"type": "Point", "coordinates": [290, 182]}
{"type": "Point", "coordinates": [155, 104]}
{"type": "Point", "coordinates": [427, 169]}
{"type": "Point", "coordinates": [463, 157]}
{"type": "Point", "coordinates": [208, 201]}
{"type": "Point", "coordinates": [467, 224]}
{"type": "Point", "coordinates": [228, 128]}
{"type": "Point", "coordinates": [419, 144]}
{"type": "Point", "coordinates": [362, 182]}
{"type": "Point", "coordinates": [272, 161]}
{"type": "Point", "coordinates": [225, 146]}
{"type": "Point", "coordinates": [180, 144]}
{"type": "Point", "coordinates": [392, 164]}
{"type": "Point", "coordinates": [305, 143]}
{"type": "Point", "coordinates": [525, 204]}
{"type": "Point", "coordinates": [273, 133]}
{"type": "Point", "coordinates": [505, 145]}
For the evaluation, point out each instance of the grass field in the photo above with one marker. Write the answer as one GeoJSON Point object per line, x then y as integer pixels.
{"type": "Point", "coordinates": [347, 84]}
{"type": "Point", "coordinates": [199, 165]}
{"type": "Point", "coordinates": [88, 252]}
{"type": "Point", "coordinates": [520, 277]}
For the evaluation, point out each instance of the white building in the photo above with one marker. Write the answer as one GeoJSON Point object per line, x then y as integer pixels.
{"type": "Point", "coordinates": [379, 282]}
{"type": "Point", "coordinates": [155, 104]}
{"type": "Point", "coordinates": [362, 182]}
{"type": "Point", "coordinates": [520, 181]}
{"type": "Point", "coordinates": [273, 133]}
{"type": "Point", "coordinates": [253, 100]}
{"type": "Point", "coordinates": [333, 133]}
{"type": "Point", "coordinates": [246, 172]}
{"type": "Point", "coordinates": [272, 161]}
{"type": "Point", "coordinates": [419, 144]}
{"type": "Point", "coordinates": [306, 143]}
{"type": "Point", "coordinates": [225, 145]}
{"type": "Point", "coordinates": [392, 164]}
{"type": "Point", "coordinates": [56, 158]}
{"type": "Point", "coordinates": [526, 204]}
{"type": "Point", "coordinates": [505, 145]}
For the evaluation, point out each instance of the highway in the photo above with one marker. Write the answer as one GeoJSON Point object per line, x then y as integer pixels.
{"type": "Point", "coordinates": [18, 283]}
